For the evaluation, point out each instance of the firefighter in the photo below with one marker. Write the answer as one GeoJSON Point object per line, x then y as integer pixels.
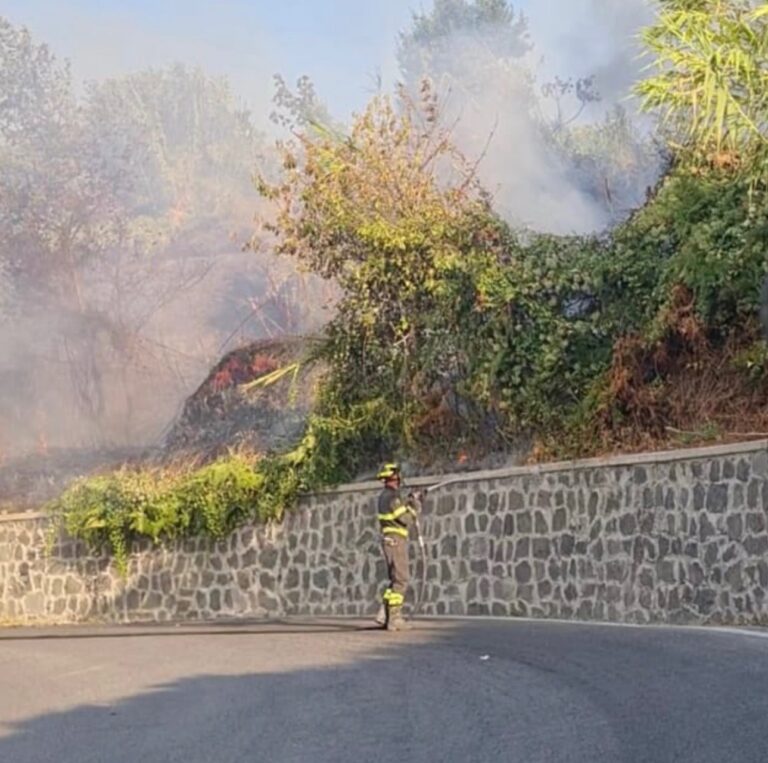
{"type": "Point", "coordinates": [395, 518]}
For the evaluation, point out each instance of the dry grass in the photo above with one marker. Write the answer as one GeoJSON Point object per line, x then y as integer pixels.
{"type": "Point", "coordinates": [689, 387]}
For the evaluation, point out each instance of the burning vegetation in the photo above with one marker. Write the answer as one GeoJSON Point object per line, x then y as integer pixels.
{"type": "Point", "coordinates": [245, 405]}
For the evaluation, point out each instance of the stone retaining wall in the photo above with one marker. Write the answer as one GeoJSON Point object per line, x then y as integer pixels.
{"type": "Point", "coordinates": [675, 537]}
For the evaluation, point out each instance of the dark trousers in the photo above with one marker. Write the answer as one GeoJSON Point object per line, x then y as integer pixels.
{"type": "Point", "coordinates": [396, 555]}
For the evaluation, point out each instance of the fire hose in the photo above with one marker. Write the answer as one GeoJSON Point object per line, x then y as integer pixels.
{"type": "Point", "coordinates": [420, 538]}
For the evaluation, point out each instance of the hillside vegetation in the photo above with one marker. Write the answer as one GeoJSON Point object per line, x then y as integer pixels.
{"type": "Point", "coordinates": [458, 334]}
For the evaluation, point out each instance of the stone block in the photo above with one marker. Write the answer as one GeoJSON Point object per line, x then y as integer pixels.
{"type": "Point", "coordinates": [522, 548]}
{"type": "Point", "coordinates": [616, 570]}
{"type": "Point", "coordinates": [742, 470]}
{"type": "Point", "coordinates": [638, 550]}
{"type": "Point", "coordinates": [614, 547]}
{"type": "Point", "coordinates": [541, 548]}
{"type": "Point", "coordinates": [645, 521]}
{"type": "Point", "coordinates": [524, 523]}
{"type": "Point", "coordinates": [525, 595]}
{"type": "Point", "coordinates": [753, 494]}
{"type": "Point", "coordinates": [756, 545]}
{"type": "Point", "coordinates": [646, 578]}
{"type": "Point", "coordinates": [540, 524]}
{"type": "Point", "coordinates": [612, 503]}
{"type": "Point", "coordinates": [762, 571]}
{"type": "Point", "coordinates": [734, 576]}
{"type": "Point", "coordinates": [515, 500]}
{"type": "Point", "coordinates": [735, 525]}
{"type": "Point", "coordinates": [628, 524]}
{"type": "Point", "coordinates": [479, 503]}
{"type": "Point", "coordinates": [152, 600]}
{"type": "Point", "coordinates": [756, 522]}
{"type": "Point", "coordinates": [760, 464]}
{"type": "Point", "coordinates": [34, 604]}
{"type": "Point", "coordinates": [292, 579]}
{"type": "Point", "coordinates": [478, 547]}
{"type": "Point", "coordinates": [717, 498]}
{"type": "Point", "coordinates": [567, 544]}
{"type": "Point", "coordinates": [699, 497]}
{"type": "Point", "coordinates": [666, 571]}
{"type": "Point", "coordinates": [559, 520]}
{"type": "Point", "coordinates": [523, 572]}
{"type": "Point", "coordinates": [706, 528]}
{"type": "Point", "coordinates": [695, 573]}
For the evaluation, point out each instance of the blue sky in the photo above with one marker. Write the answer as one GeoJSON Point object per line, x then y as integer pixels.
{"type": "Point", "coordinates": [342, 44]}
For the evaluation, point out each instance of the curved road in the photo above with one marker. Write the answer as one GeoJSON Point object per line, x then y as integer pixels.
{"type": "Point", "coordinates": [337, 691]}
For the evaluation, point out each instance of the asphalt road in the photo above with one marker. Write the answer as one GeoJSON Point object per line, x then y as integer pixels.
{"type": "Point", "coordinates": [337, 691]}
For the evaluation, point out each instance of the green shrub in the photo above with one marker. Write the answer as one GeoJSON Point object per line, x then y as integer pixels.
{"type": "Point", "coordinates": [113, 510]}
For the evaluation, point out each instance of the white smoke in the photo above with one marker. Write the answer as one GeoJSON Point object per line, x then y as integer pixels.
{"type": "Point", "coordinates": [498, 109]}
{"type": "Point", "coordinates": [597, 37]}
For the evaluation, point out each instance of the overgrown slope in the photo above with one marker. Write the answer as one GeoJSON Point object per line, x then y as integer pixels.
{"type": "Point", "coordinates": [456, 336]}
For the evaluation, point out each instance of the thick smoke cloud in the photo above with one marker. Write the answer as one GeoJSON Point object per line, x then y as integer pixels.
{"type": "Point", "coordinates": [501, 116]}
{"type": "Point", "coordinates": [593, 37]}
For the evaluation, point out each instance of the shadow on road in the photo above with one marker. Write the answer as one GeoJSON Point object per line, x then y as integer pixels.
{"type": "Point", "coordinates": [183, 630]}
{"type": "Point", "coordinates": [528, 692]}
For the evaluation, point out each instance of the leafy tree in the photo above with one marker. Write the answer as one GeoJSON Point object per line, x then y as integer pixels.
{"type": "Point", "coordinates": [386, 212]}
{"type": "Point", "coordinates": [35, 89]}
{"type": "Point", "coordinates": [300, 108]}
{"type": "Point", "coordinates": [57, 210]}
{"type": "Point", "coordinates": [186, 147]}
{"type": "Point", "coordinates": [430, 47]}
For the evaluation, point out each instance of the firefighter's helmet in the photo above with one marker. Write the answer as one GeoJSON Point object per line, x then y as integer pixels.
{"type": "Point", "coordinates": [388, 471]}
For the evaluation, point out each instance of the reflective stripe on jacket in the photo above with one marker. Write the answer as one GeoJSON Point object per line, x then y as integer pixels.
{"type": "Point", "coordinates": [394, 515]}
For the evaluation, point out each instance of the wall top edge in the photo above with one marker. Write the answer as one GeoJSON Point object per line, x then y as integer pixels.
{"type": "Point", "coordinates": [23, 516]}
{"type": "Point", "coordinates": [626, 459]}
